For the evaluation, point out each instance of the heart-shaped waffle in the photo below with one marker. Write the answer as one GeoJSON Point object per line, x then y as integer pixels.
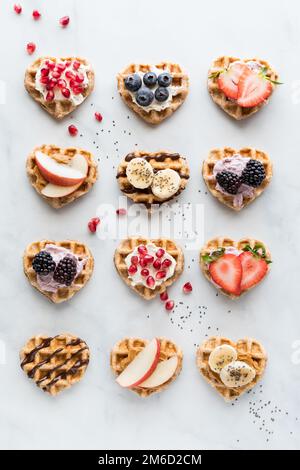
{"type": "Point", "coordinates": [128, 245]}
{"type": "Point", "coordinates": [159, 161]}
{"type": "Point", "coordinates": [57, 108]}
{"type": "Point", "coordinates": [60, 155]}
{"type": "Point", "coordinates": [65, 292]}
{"type": "Point", "coordinates": [230, 106]}
{"type": "Point", "coordinates": [228, 245]}
{"type": "Point", "coordinates": [155, 116]}
{"type": "Point", "coordinates": [125, 351]}
{"type": "Point", "coordinates": [248, 350]}
{"type": "Point", "coordinates": [55, 363]}
{"type": "Point", "coordinates": [215, 155]}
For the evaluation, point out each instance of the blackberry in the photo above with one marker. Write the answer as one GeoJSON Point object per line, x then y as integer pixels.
{"type": "Point", "coordinates": [230, 182]}
{"type": "Point", "coordinates": [43, 263]}
{"type": "Point", "coordinates": [65, 271]}
{"type": "Point", "coordinates": [254, 173]}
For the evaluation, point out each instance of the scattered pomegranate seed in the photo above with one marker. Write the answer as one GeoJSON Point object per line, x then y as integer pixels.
{"type": "Point", "coordinates": [142, 249]}
{"type": "Point", "coordinates": [70, 75]}
{"type": "Point", "coordinates": [167, 263]}
{"type": "Point", "coordinates": [160, 274]}
{"type": "Point", "coordinates": [98, 116]}
{"type": "Point", "coordinates": [121, 211]}
{"type": "Point", "coordinates": [132, 269]}
{"type": "Point", "coordinates": [56, 74]}
{"type": "Point", "coordinates": [77, 90]}
{"type": "Point", "coordinates": [92, 225]}
{"type": "Point", "coordinates": [76, 64]}
{"type": "Point", "coordinates": [73, 130]}
{"type": "Point", "coordinates": [169, 305]}
{"type": "Point", "coordinates": [143, 263]}
{"type": "Point", "coordinates": [157, 264]}
{"type": "Point", "coordinates": [64, 21]}
{"type": "Point", "coordinates": [50, 95]}
{"type": "Point", "coordinates": [18, 8]}
{"type": "Point", "coordinates": [61, 83]}
{"type": "Point", "coordinates": [134, 260]}
{"type": "Point", "coordinates": [148, 259]}
{"type": "Point", "coordinates": [187, 288]}
{"type": "Point", "coordinates": [145, 272]}
{"type": "Point", "coordinates": [50, 64]}
{"type": "Point", "coordinates": [164, 296]}
{"type": "Point", "coordinates": [31, 47]}
{"type": "Point", "coordinates": [44, 80]}
{"type": "Point", "coordinates": [36, 15]}
{"type": "Point", "coordinates": [65, 92]}
{"type": "Point", "coordinates": [61, 66]}
{"type": "Point", "coordinates": [51, 83]}
{"type": "Point", "coordinates": [44, 72]}
{"type": "Point", "coordinates": [79, 77]}
{"type": "Point", "coordinates": [150, 281]}
{"type": "Point", "coordinates": [160, 253]}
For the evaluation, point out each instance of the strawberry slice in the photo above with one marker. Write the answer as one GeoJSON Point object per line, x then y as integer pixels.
{"type": "Point", "coordinates": [229, 79]}
{"type": "Point", "coordinates": [226, 271]}
{"type": "Point", "coordinates": [253, 89]}
{"type": "Point", "coordinates": [254, 270]}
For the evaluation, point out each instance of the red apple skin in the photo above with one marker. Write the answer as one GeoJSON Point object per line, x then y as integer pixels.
{"type": "Point", "coordinates": [151, 370]}
{"type": "Point", "coordinates": [58, 180]}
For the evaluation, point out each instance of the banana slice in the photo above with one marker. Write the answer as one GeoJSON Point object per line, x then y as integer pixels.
{"type": "Point", "coordinates": [165, 183]}
{"type": "Point", "coordinates": [221, 356]}
{"type": "Point", "coordinates": [237, 374]}
{"type": "Point", "coordinates": [139, 173]}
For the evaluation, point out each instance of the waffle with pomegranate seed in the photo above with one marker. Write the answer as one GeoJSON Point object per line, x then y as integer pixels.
{"type": "Point", "coordinates": [125, 351]}
{"type": "Point", "coordinates": [159, 161]}
{"type": "Point", "coordinates": [65, 292]}
{"type": "Point", "coordinates": [180, 79]}
{"type": "Point", "coordinates": [228, 105]}
{"type": "Point", "coordinates": [56, 108]}
{"type": "Point", "coordinates": [219, 154]}
{"type": "Point", "coordinates": [128, 245]}
{"type": "Point", "coordinates": [224, 242]}
{"type": "Point", "coordinates": [60, 155]}
{"type": "Point", "coordinates": [55, 363]}
{"type": "Point", "coordinates": [248, 350]}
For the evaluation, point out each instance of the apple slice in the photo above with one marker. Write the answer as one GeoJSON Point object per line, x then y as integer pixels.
{"type": "Point", "coordinates": [53, 190]}
{"type": "Point", "coordinates": [60, 173]}
{"type": "Point", "coordinates": [163, 372]}
{"type": "Point", "coordinates": [141, 367]}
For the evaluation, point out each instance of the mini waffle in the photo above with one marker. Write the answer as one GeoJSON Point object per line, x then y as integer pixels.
{"type": "Point", "coordinates": [66, 292]}
{"type": "Point", "coordinates": [223, 242]}
{"type": "Point", "coordinates": [61, 156]}
{"type": "Point", "coordinates": [56, 108]}
{"type": "Point", "coordinates": [247, 152]}
{"type": "Point", "coordinates": [159, 161]}
{"type": "Point", "coordinates": [125, 351]}
{"type": "Point", "coordinates": [230, 106]}
{"type": "Point", "coordinates": [249, 351]}
{"type": "Point", "coordinates": [127, 246]}
{"type": "Point", "coordinates": [55, 363]}
{"type": "Point", "coordinates": [179, 79]}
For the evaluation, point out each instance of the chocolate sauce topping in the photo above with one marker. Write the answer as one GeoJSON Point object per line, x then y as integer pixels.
{"type": "Point", "coordinates": [160, 157]}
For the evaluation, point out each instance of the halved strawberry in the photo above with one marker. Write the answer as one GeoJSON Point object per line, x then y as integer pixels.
{"type": "Point", "coordinates": [229, 79]}
{"type": "Point", "coordinates": [253, 89]}
{"type": "Point", "coordinates": [226, 271]}
{"type": "Point", "coordinates": [254, 269]}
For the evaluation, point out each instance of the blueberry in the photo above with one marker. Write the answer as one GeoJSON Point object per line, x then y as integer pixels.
{"type": "Point", "coordinates": [161, 93]}
{"type": "Point", "coordinates": [150, 79]}
{"type": "Point", "coordinates": [164, 79]}
{"type": "Point", "coordinates": [133, 82]}
{"type": "Point", "coordinates": [144, 97]}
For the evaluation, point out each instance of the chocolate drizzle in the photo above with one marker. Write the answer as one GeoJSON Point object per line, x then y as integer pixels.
{"type": "Point", "coordinates": [159, 158]}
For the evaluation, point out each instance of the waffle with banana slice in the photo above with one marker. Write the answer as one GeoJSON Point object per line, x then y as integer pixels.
{"type": "Point", "coordinates": [231, 376]}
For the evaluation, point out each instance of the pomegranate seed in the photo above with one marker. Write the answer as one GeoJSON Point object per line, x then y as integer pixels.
{"type": "Point", "coordinates": [121, 211]}
{"type": "Point", "coordinates": [68, 63]}
{"type": "Point", "coordinates": [18, 8]}
{"type": "Point", "coordinates": [77, 90]}
{"type": "Point", "coordinates": [44, 80]}
{"type": "Point", "coordinates": [145, 272]}
{"type": "Point", "coordinates": [72, 83]}
{"type": "Point", "coordinates": [98, 116]}
{"type": "Point", "coordinates": [36, 15]}
{"type": "Point", "coordinates": [50, 64]}
{"type": "Point", "coordinates": [92, 225]}
{"type": "Point", "coordinates": [31, 47]}
{"type": "Point", "coordinates": [73, 130]}
{"type": "Point", "coordinates": [148, 259]}
{"type": "Point", "coordinates": [160, 253]}
{"type": "Point", "coordinates": [160, 274]}
{"type": "Point", "coordinates": [157, 264]}
{"type": "Point", "coordinates": [65, 92]}
{"type": "Point", "coordinates": [150, 281]}
{"type": "Point", "coordinates": [44, 72]}
{"type": "Point", "coordinates": [61, 83]}
{"type": "Point", "coordinates": [142, 249]}
{"type": "Point", "coordinates": [64, 21]}
{"type": "Point", "coordinates": [50, 95]}
{"type": "Point", "coordinates": [169, 305]}
{"type": "Point", "coordinates": [79, 77]}
{"type": "Point", "coordinates": [134, 260]}
{"type": "Point", "coordinates": [143, 263]}
{"type": "Point", "coordinates": [70, 75]}
{"type": "Point", "coordinates": [76, 64]}
{"type": "Point", "coordinates": [61, 67]}
{"type": "Point", "coordinates": [51, 83]}
{"type": "Point", "coordinates": [167, 263]}
{"type": "Point", "coordinates": [164, 296]}
{"type": "Point", "coordinates": [187, 288]}
{"type": "Point", "coordinates": [56, 74]}
{"type": "Point", "coordinates": [132, 269]}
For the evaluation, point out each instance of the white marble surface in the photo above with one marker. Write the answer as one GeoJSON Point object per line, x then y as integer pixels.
{"type": "Point", "coordinates": [97, 413]}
